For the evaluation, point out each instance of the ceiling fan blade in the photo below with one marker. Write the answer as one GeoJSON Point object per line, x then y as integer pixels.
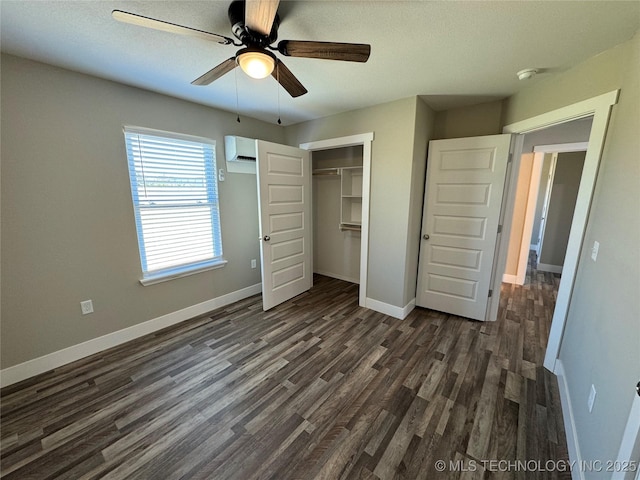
{"type": "Point", "coordinates": [148, 22]}
{"type": "Point", "coordinates": [259, 15]}
{"type": "Point", "coordinates": [347, 52]}
{"type": "Point", "coordinates": [288, 80]}
{"type": "Point", "coordinates": [216, 72]}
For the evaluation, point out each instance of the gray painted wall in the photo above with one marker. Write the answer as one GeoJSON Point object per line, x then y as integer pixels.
{"type": "Point", "coordinates": [475, 120]}
{"type": "Point", "coordinates": [68, 231]}
{"type": "Point", "coordinates": [602, 334]}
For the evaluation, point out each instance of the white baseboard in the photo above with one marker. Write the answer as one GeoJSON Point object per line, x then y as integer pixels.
{"type": "Point", "coordinates": [506, 278]}
{"type": "Point", "coordinates": [546, 267]}
{"type": "Point", "coordinates": [391, 310]}
{"type": "Point", "coordinates": [30, 368]}
{"type": "Point", "coordinates": [339, 277]}
{"type": "Point", "coordinates": [569, 423]}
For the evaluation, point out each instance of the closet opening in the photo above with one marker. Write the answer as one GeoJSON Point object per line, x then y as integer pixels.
{"type": "Point", "coordinates": [341, 169]}
{"type": "Point", "coordinates": [337, 212]}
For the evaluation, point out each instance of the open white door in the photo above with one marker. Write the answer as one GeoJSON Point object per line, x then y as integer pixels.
{"type": "Point", "coordinates": [465, 184]}
{"type": "Point", "coordinates": [284, 202]}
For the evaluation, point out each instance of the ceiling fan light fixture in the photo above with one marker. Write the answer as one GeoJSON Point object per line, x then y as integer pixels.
{"type": "Point", "coordinates": [255, 62]}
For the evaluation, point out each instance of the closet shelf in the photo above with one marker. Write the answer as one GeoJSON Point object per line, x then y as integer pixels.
{"type": "Point", "coordinates": [351, 196]}
{"type": "Point", "coordinates": [326, 171]}
{"type": "Point", "coordinates": [351, 226]}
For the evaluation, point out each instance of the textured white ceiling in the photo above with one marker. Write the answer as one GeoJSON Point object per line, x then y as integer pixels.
{"type": "Point", "coordinates": [450, 52]}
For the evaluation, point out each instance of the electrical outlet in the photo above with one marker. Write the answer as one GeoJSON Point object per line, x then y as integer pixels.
{"type": "Point", "coordinates": [592, 398]}
{"type": "Point", "coordinates": [86, 307]}
{"type": "Point", "coordinates": [594, 251]}
{"type": "Point", "coordinates": [253, 263]}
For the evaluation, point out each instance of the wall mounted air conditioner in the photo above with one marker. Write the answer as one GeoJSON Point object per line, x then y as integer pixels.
{"type": "Point", "coordinates": [240, 154]}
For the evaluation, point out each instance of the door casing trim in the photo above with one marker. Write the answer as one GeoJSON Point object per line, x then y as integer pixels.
{"type": "Point", "coordinates": [600, 108]}
{"type": "Point", "coordinates": [364, 139]}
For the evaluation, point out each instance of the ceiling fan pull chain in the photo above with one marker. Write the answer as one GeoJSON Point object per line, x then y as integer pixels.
{"type": "Point", "coordinates": [278, 87]}
{"type": "Point", "coordinates": [235, 73]}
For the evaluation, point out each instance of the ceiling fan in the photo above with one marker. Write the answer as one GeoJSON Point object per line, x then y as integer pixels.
{"type": "Point", "coordinates": [255, 24]}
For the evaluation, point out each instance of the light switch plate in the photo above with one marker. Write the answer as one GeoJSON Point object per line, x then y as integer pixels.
{"type": "Point", "coordinates": [594, 251]}
{"type": "Point", "coordinates": [592, 398]}
{"type": "Point", "coordinates": [86, 307]}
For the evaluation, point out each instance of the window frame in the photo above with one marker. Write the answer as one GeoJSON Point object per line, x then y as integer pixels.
{"type": "Point", "coordinates": [210, 178]}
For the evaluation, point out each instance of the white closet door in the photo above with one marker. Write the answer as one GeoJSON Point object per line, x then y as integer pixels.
{"type": "Point", "coordinates": [284, 201]}
{"type": "Point", "coordinates": [465, 182]}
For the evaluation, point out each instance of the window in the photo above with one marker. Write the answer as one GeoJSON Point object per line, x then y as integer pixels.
{"type": "Point", "coordinates": [175, 199]}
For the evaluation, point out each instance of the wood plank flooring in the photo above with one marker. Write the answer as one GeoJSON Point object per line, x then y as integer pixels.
{"type": "Point", "coordinates": [317, 388]}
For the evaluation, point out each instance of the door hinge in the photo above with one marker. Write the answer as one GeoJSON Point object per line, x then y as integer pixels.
{"type": "Point", "coordinates": [490, 293]}
{"type": "Point", "coordinates": [510, 158]}
{"type": "Point", "coordinates": [499, 228]}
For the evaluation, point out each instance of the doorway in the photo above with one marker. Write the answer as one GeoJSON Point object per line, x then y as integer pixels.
{"type": "Point", "coordinates": [559, 204]}
{"type": "Point", "coordinates": [351, 195]}
{"type": "Point", "coordinates": [600, 109]}
{"type": "Point", "coordinates": [533, 182]}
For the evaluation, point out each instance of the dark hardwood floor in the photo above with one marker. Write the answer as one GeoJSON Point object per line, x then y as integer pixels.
{"type": "Point", "coordinates": [317, 388]}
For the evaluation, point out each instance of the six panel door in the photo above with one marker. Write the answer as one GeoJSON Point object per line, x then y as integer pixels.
{"type": "Point", "coordinates": [284, 202]}
{"type": "Point", "coordinates": [464, 187]}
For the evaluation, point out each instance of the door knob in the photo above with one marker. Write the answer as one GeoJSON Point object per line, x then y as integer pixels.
{"type": "Point", "coordinates": [425, 236]}
{"type": "Point", "coordinates": [266, 238]}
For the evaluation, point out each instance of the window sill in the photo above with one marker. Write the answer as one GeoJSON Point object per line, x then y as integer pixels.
{"type": "Point", "coordinates": [152, 280]}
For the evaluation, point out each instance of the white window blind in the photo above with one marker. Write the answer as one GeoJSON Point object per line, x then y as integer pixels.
{"type": "Point", "coordinates": [175, 199]}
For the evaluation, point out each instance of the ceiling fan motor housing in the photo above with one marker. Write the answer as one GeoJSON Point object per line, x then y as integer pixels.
{"type": "Point", "coordinates": [247, 36]}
